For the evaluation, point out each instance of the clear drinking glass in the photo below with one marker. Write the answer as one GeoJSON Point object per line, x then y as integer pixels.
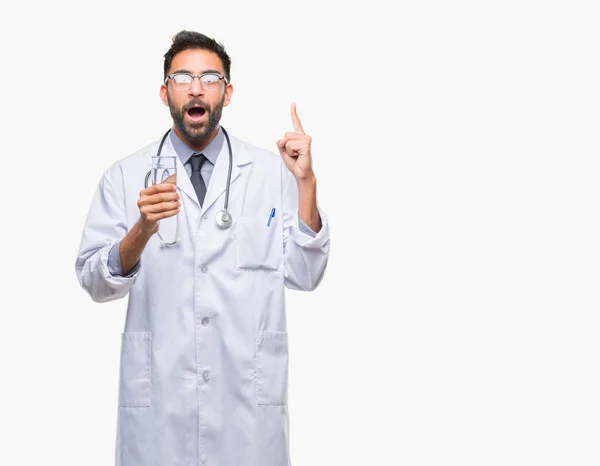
{"type": "Point", "coordinates": [164, 170]}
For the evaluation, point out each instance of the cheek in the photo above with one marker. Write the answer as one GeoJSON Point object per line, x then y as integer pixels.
{"type": "Point", "coordinates": [215, 101]}
{"type": "Point", "coordinates": [175, 103]}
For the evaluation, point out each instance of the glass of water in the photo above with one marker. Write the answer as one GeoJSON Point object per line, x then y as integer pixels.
{"type": "Point", "coordinates": [164, 170]}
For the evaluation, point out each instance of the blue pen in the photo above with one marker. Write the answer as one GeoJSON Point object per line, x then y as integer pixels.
{"type": "Point", "coordinates": [271, 216]}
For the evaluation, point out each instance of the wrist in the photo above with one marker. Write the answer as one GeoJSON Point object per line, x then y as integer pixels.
{"type": "Point", "coordinates": [307, 182]}
{"type": "Point", "coordinates": [146, 229]}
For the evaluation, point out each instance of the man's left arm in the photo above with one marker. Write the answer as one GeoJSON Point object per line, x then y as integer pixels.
{"type": "Point", "coordinates": [306, 229]}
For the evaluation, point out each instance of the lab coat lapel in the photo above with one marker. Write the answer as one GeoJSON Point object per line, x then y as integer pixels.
{"type": "Point", "coordinates": [218, 179]}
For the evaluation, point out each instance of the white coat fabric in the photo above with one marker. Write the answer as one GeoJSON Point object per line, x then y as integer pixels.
{"type": "Point", "coordinates": [204, 356]}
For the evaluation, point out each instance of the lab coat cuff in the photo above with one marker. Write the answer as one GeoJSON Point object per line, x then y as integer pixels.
{"type": "Point", "coordinates": [304, 228]}
{"type": "Point", "coordinates": [116, 281]}
{"type": "Point", "coordinates": [114, 259]}
{"type": "Point", "coordinates": [114, 262]}
{"type": "Point", "coordinates": [304, 240]}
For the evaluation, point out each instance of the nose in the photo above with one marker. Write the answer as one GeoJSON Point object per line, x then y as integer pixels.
{"type": "Point", "coordinates": [196, 88]}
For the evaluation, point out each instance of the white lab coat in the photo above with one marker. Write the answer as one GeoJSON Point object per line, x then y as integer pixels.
{"type": "Point", "coordinates": [204, 356]}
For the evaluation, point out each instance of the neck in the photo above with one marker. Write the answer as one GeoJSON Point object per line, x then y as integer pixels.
{"type": "Point", "coordinates": [197, 145]}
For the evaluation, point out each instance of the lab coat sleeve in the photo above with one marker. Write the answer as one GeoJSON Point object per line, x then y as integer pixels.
{"type": "Point", "coordinates": [105, 225]}
{"type": "Point", "coordinates": [305, 256]}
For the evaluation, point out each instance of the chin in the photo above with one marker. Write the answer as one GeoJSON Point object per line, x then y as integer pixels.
{"type": "Point", "coordinates": [196, 131]}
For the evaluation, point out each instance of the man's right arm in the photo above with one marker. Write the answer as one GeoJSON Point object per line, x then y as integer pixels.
{"type": "Point", "coordinates": [105, 227]}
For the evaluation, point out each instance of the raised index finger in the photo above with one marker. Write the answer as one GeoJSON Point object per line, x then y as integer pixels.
{"type": "Point", "coordinates": [296, 120]}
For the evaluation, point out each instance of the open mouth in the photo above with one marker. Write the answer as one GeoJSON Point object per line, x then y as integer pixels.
{"type": "Point", "coordinates": [196, 114]}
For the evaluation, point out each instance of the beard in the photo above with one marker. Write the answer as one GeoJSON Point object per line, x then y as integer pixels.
{"type": "Point", "coordinates": [196, 131]}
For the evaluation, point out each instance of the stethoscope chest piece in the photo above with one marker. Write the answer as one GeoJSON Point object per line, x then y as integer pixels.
{"type": "Point", "coordinates": [224, 219]}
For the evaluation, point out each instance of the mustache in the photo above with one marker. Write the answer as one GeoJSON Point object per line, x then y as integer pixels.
{"type": "Point", "coordinates": [196, 103]}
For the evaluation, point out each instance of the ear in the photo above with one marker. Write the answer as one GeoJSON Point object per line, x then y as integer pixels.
{"type": "Point", "coordinates": [228, 92]}
{"type": "Point", "coordinates": [163, 94]}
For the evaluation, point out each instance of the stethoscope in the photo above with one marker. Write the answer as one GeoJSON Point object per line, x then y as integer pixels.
{"type": "Point", "coordinates": [223, 218]}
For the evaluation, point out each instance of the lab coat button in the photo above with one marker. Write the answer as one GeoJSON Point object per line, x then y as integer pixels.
{"type": "Point", "coordinates": [206, 376]}
{"type": "Point", "coordinates": [205, 321]}
{"type": "Point", "coordinates": [204, 269]}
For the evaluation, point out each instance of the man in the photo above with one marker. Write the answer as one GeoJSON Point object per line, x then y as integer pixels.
{"type": "Point", "coordinates": [204, 356]}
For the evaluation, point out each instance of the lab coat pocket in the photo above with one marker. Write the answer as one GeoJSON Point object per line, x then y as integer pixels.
{"type": "Point", "coordinates": [134, 387]}
{"type": "Point", "coordinates": [272, 368]}
{"type": "Point", "coordinates": [258, 246]}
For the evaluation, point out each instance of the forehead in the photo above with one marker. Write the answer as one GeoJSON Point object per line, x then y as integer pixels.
{"type": "Point", "coordinates": [196, 60]}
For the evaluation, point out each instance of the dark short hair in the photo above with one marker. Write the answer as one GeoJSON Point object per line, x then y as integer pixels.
{"type": "Point", "coordinates": [186, 40]}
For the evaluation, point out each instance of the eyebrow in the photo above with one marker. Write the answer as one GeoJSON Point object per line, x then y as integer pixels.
{"type": "Point", "coordinates": [202, 72]}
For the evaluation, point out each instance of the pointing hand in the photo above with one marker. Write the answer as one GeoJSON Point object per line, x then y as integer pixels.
{"type": "Point", "coordinates": [294, 147]}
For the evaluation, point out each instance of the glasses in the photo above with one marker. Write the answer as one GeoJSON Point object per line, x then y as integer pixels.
{"type": "Point", "coordinates": [208, 81]}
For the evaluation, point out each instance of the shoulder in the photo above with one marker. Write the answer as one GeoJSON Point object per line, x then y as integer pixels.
{"type": "Point", "coordinates": [131, 163]}
{"type": "Point", "coordinates": [258, 155]}
{"type": "Point", "coordinates": [267, 166]}
{"type": "Point", "coordinates": [127, 174]}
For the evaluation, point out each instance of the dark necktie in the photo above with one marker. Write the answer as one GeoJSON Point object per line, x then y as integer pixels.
{"type": "Point", "coordinates": [197, 160]}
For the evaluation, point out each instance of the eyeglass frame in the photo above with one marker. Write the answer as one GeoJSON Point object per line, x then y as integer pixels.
{"type": "Point", "coordinates": [219, 75]}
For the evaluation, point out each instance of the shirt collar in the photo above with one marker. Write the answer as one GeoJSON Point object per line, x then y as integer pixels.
{"type": "Point", "coordinates": [211, 152]}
